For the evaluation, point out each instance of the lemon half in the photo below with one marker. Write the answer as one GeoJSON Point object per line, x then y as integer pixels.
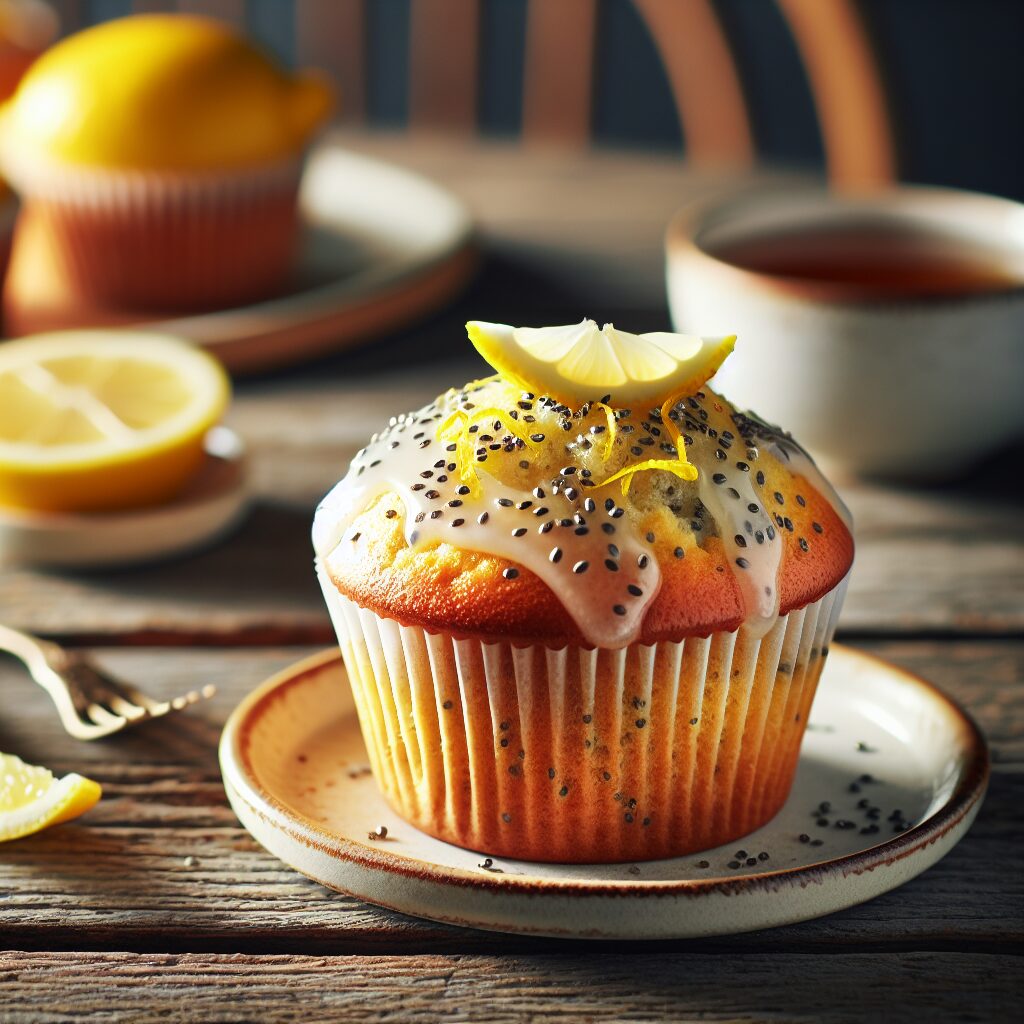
{"type": "Point", "coordinates": [31, 798]}
{"type": "Point", "coordinates": [160, 92]}
{"type": "Point", "coordinates": [581, 362]}
{"type": "Point", "coordinates": [92, 420]}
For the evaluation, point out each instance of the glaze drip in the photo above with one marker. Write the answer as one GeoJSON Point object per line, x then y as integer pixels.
{"type": "Point", "coordinates": [748, 535]}
{"type": "Point", "coordinates": [792, 455]}
{"type": "Point", "coordinates": [586, 552]}
{"type": "Point", "coordinates": [525, 481]}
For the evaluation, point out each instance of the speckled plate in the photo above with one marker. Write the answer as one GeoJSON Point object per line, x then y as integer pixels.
{"type": "Point", "coordinates": [380, 248]}
{"type": "Point", "coordinates": [891, 775]}
{"type": "Point", "coordinates": [213, 504]}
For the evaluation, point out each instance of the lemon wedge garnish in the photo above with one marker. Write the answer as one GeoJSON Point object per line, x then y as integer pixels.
{"type": "Point", "coordinates": [93, 420]}
{"type": "Point", "coordinates": [582, 362]}
{"type": "Point", "coordinates": [31, 798]}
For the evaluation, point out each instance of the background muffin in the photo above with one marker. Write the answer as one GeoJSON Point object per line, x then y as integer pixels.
{"type": "Point", "coordinates": [548, 668]}
{"type": "Point", "coordinates": [159, 159]}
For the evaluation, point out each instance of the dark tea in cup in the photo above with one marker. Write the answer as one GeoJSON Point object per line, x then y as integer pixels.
{"type": "Point", "coordinates": [874, 257]}
{"type": "Point", "coordinates": [883, 329]}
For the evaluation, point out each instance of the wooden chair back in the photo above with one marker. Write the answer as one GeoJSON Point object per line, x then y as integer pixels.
{"type": "Point", "coordinates": [559, 72]}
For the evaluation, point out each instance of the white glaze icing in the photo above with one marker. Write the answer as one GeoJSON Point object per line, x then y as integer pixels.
{"type": "Point", "coordinates": [595, 556]}
{"type": "Point", "coordinates": [748, 534]}
{"type": "Point", "coordinates": [585, 525]}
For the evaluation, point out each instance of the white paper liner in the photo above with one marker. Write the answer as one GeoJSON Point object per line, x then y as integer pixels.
{"type": "Point", "coordinates": [584, 755]}
{"type": "Point", "coordinates": [170, 241]}
{"type": "Point", "coordinates": [98, 187]}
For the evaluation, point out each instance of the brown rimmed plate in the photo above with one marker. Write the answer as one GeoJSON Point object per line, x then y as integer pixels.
{"type": "Point", "coordinates": [381, 247]}
{"type": "Point", "coordinates": [901, 767]}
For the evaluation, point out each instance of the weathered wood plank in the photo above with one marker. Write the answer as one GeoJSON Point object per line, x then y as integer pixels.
{"type": "Point", "coordinates": [331, 35]}
{"type": "Point", "coordinates": [259, 588]}
{"type": "Point", "coordinates": [226, 10]}
{"type": "Point", "coordinates": [705, 78]}
{"type": "Point", "coordinates": [487, 990]}
{"type": "Point", "coordinates": [984, 675]}
{"type": "Point", "coordinates": [849, 93]}
{"type": "Point", "coordinates": [558, 83]}
{"type": "Point", "coordinates": [941, 561]}
{"type": "Point", "coordinates": [118, 878]}
{"type": "Point", "coordinates": [589, 224]}
{"type": "Point", "coordinates": [90, 886]}
{"type": "Point", "coordinates": [444, 62]}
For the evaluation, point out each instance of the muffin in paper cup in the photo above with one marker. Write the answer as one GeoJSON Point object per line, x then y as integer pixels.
{"type": "Point", "coordinates": [162, 242]}
{"type": "Point", "coordinates": [159, 158]}
{"type": "Point", "coordinates": [571, 649]}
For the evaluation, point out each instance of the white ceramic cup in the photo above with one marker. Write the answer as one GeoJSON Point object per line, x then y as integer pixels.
{"type": "Point", "coordinates": [916, 388]}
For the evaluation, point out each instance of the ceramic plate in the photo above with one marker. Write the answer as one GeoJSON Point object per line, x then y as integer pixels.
{"type": "Point", "coordinates": [891, 776]}
{"type": "Point", "coordinates": [380, 247]}
{"type": "Point", "coordinates": [211, 505]}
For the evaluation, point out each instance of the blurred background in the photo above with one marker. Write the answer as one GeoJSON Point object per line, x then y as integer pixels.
{"type": "Point", "coordinates": [951, 71]}
{"type": "Point", "coordinates": [512, 160]}
{"type": "Point", "coordinates": [527, 162]}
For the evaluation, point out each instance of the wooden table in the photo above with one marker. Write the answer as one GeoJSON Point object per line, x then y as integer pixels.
{"type": "Point", "coordinates": [158, 905]}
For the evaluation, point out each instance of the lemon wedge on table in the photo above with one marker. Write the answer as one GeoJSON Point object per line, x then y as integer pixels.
{"type": "Point", "coordinates": [581, 362]}
{"type": "Point", "coordinates": [98, 420]}
{"type": "Point", "coordinates": [31, 798]}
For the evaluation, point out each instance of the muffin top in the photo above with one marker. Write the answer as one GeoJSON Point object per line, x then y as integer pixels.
{"type": "Point", "coordinates": [501, 512]}
{"type": "Point", "coordinates": [164, 92]}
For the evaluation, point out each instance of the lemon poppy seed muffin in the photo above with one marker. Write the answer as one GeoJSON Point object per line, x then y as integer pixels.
{"type": "Point", "coordinates": [584, 630]}
{"type": "Point", "coordinates": [159, 158]}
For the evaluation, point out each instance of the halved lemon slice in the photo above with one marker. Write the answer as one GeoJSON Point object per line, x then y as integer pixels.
{"type": "Point", "coordinates": [582, 362]}
{"type": "Point", "coordinates": [94, 420]}
{"type": "Point", "coordinates": [31, 798]}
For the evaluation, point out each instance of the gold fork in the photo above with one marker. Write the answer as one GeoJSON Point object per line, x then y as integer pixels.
{"type": "Point", "coordinates": [91, 703]}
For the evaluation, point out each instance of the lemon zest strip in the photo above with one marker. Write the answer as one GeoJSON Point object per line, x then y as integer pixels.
{"type": "Point", "coordinates": [680, 466]}
{"type": "Point", "coordinates": [672, 427]}
{"type": "Point", "coordinates": [682, 469]}
{"type": "Point", "coordinates": [455, 427]}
